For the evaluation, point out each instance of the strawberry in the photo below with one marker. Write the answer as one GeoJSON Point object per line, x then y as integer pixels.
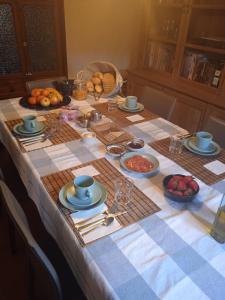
{"type": "Point", "coordinates": [178, 193]}
{"type": "Point", "coordinates": [188, 179]}
{"type": "Point", "coordinates": [172, 184]}
{"type": "Point", "coordinates": [193, 185]}
{"type": "Point", "coordinates": [181, 185]}
{"type": "Point", "coordinates": [188, 192]}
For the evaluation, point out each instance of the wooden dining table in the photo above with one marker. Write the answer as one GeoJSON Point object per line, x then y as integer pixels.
{"type": "Point", "coordinates": [163, 249]}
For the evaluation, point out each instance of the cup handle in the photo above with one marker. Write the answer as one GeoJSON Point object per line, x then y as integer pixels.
{"type": "Point", "coordinates": [88, 194]}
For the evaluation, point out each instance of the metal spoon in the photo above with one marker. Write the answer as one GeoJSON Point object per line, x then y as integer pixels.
{"type": "Point", "coordinates": [105, 222]}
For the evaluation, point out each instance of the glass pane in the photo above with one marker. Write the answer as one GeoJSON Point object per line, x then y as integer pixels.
{"type": "Point", "coordinates": [202, 67]}
{"type": "Point", "coordinates": [9, 57]}
{"type": "Point", "coordinates": [41, 41]}
{"type": "Point", "coordinates": [207, 28]}
{"type": "Point", "coordinates": [161, 57]}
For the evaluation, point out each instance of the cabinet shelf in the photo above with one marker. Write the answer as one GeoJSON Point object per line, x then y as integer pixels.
{"type": "Point", "coordinates": [209, 6]}
{"type": "Point", "coordinates": [205, 48]}
{"type": "Point", "coordinates": [163, 40]}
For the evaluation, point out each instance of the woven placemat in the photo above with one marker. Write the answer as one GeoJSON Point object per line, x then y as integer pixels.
{"type": "Point", "coordinates": [191, 162]}
{"type": "Point", "coordinates": [119, 116]}
{"type": "Point", "coordinates": [141, 205]}
{"type": "Point", "coordinates": [65, 134]}
{"type": "Point", "coordinates": [110, 133]}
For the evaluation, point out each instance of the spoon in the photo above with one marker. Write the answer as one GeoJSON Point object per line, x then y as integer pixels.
{"type": "Point", "coordinates": [105, 222]}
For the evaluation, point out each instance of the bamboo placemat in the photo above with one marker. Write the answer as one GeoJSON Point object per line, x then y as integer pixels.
{"type": "Point", "coordinates": [119, 116]}
{"type": "Point", "coordinates": [65, 134]}
{"type": "Point", "coordinates": [141, 205]}
{"type": "Point", "coordinates": [106, 133]}
{"type": "Point", "coordinates": [191, 162]}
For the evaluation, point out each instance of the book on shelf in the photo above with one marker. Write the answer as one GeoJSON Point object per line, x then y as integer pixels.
{"type": "Point", "coordinates": [202, 68]}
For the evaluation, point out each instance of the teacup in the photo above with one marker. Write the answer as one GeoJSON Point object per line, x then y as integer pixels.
{"type": "Point", "coordinates": [84, 187]}
{"type": "Point", "coordinates": [203, 139]}
{"type": "Point", "coordinates": [30, 123]}
{"type": "Point", "coordinates": [131, 101]}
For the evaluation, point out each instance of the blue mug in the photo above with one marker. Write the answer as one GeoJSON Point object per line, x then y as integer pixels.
{"type": "Point", "coordinates": [203, 139]}
{"type": "Point", "coordinates": [131, 102]}
{"type": "Point", "coordinates": [84, 186]}
{"type": "Point", "coordinates": [30, 123]}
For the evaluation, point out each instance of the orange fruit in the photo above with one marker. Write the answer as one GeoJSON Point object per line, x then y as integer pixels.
{"type": "Point", "coordinates": [35, 92]}
{"type": "Point", "coordinates": [39, 98]}
{"type": "Point", "coordinates": [32, 100]}
{"type": "Point", "coordinates": [45, 92]}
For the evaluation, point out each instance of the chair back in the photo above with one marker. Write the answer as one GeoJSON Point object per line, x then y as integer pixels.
{"type": "Point", "coordinates": [216, 126]}
{"type": "Point", "coordinates": [43, 83]}
{"type": "Point", "coordinates": [157, 101]}
{"type": "Point", "coordinates": [35, 253]}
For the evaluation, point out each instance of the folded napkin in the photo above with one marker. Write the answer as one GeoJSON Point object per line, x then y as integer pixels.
{"type": "Point", "coordinates": [113, 135]}
{"type": "Point", "coordinates": [135, 118]}
{"type": "Point", "coordinates": [99, 231]}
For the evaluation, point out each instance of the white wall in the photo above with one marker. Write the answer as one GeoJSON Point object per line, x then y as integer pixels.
{"type": "Point", "coordinates": [102, 30]}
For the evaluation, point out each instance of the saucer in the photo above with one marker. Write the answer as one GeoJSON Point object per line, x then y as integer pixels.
{"type": "Point", "coordinates": [138, 108]}
{"type": "Point", "coordinates": [19, 129]}
{"type": "Point", "coordinates": [39, 127]}
{"type": "Point", "coordinates": [71, 197]}
{"type": "Point", "coordinates": [188, 147]}
{"type": "Point", "coordinates": [67, 204]}
{"type": "Point", "coordinates": [192, 143]}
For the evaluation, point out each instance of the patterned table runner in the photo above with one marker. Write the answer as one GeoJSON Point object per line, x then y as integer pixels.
{"type": "Point", "coordinates": [119, 116]}
{"type": "Point", "coordinates": [141, 205]}
{"type": "Point", "coordinates": [110, 133]}
{"type": "Point", "coordinates": [191, 162]}
{"type": "Point", "coordinates": [65, 134]}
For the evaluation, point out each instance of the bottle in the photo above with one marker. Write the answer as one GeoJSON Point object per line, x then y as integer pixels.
{"type": "Point", "coordinates": [218, 228]}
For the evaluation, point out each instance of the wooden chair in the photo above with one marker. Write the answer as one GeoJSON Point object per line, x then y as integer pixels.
{"type": "Point", "coordinates": [36, 257]}
{"type": "Point", "coordinates": [216, 126]}
{"type": "Point", "coordinates": [43, 83]}
{"type": "Point", "coordinates": [156, 101]}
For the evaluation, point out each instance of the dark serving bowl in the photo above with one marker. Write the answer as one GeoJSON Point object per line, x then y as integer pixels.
{"type": "Point", "coordinates": [174, 197]}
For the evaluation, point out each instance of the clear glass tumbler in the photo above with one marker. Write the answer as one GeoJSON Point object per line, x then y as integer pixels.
{"type": "Point", "coordinates": [123, 188]}
{"type": "Point", "coordinates": [218, 228]}
{"type": "Point", "coordinates": [176, 145]}
{"type": "Point", "coordinates": [112, 105]}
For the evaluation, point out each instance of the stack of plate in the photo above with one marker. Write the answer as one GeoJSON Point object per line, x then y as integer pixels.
{"type": "Point", "coordinates": [191, 145]}
{"type": "Point", "coordinates": [20, 130]}
{"type": "Point", "coordinates": [139, 107]}
{"type": "Point", "coordinates": [67, 197]}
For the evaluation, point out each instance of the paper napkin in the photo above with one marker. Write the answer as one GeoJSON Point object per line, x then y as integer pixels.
{"type": "Point", "coordinates": [216, 167]}
{"type": "Point", "coordinates": [88, 170]}
{"type": "Point", "coordinates": [135, 118]}
{"type": "Point", "coordinates": [99, 231]}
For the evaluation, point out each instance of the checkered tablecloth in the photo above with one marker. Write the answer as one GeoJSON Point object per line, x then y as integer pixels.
{"type": "Point", "coordinates": [169, 255]}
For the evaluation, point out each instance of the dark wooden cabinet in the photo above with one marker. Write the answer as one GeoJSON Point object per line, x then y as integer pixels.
{"type": "Point", "coordinates": [32, 43]}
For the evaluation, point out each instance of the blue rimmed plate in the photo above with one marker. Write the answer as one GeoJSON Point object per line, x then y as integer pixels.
{"type": "Point", "coordinates": [215, 152]}
{"type": "Point", "coordinates": [63, 197]}
{"type": "Point", "coordinates": [19, 130]}
{"type": "Point", "coordinates": [150, 158]}
{"type": "Point", "coordinates": [138, 108]}
{"type": "Point", "coordinates": [192, 143]}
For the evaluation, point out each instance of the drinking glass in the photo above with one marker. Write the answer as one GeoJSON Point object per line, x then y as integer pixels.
{"type": "Point", "coordinates": [176, 145]}
{"type": "Point", "coordinates": [218, 228]}
{"type": "Point", "coordinates": [123, 188]}
{"type": "Point", "coordinates": [112, 105]}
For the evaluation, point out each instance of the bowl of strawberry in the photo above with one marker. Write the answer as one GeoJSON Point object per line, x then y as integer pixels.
{"type": "Point", "coordinates": [180, 188]}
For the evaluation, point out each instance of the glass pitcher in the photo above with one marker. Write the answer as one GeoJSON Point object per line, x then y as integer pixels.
{"type": "Point", "coordinates": [218, 228]}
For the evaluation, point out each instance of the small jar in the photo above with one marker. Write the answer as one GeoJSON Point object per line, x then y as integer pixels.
{"type": "Point", "coordinates": [80, 90]}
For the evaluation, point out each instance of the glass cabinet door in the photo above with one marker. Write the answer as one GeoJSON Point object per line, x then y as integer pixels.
{"type": "Point", "coordinates": [40, 36]}
{"type": "Point", "coordinates": [9, 52]}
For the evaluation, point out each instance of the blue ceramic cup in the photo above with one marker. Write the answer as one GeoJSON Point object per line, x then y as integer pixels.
{"type": "Point", "coordinates": [30, 123]}
{"type": "Point", "coordinates": [203, 139]}
{"type": "Point", "coordinates": [84, 187]}
{"type": "Point", "coordinates": [131, 102]}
